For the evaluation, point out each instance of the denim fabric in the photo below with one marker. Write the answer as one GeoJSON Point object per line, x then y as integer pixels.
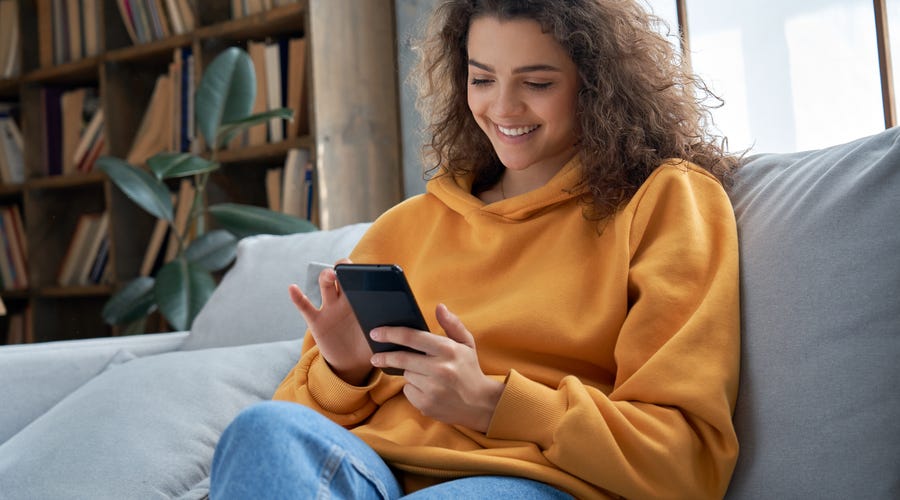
{"type": "Point", "coordinates": [278, 450]}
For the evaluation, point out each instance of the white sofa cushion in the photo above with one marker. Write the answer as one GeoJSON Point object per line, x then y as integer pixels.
{"type": "Point", "coordinates": [143, 429]}
{"type": "Point", "coordinates": [818, 409]}
{"type": "Point", "coordinates": [252, 304]}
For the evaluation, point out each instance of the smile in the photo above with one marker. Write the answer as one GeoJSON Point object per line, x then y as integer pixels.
{"type": "Point", "coordinates": [517, 131]}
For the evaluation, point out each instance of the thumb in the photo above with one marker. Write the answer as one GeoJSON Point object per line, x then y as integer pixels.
{"type": "Point", "coordinates": [453, 326]}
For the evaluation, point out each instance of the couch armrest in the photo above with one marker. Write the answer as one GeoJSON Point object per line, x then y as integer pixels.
{"type": "Point", "coordinates": [37, 376]}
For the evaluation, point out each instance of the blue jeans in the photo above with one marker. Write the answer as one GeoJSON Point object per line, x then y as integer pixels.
{"type": "Point", "coordinates": [279, 450]}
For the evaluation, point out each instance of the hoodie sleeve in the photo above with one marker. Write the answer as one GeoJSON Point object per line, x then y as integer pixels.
{"type": "Point", "coordinates": [312, 382]}
{"type": "Point", "coordinates": [664, 429]}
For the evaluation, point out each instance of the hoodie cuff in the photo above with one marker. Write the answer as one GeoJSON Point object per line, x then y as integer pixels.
{"type": "Point", "coordinates": [527, 411]}
{"type": "Point", "coordinates": [335, 395]}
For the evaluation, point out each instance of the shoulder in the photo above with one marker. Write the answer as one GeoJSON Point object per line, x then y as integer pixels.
{"type": "Point", "coordinates": [394, 227]}
{"type": "Point", "coordinates": [679, 180]}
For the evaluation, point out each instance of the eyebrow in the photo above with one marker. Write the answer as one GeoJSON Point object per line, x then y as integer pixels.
{"type": "Point", "coordinates": [522, 69]}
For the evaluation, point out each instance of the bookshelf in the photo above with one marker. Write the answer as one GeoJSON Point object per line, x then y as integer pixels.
{"type": "Point", "coordinates": [351, 131]}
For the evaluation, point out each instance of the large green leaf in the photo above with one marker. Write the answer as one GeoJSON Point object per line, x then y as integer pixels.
{"type": "Point", "coordinates": [212, 251]}
{"type": "Point", "coordinates": [181, 291]}
{"type": "Point", "coordinates": [226, 92]}
{"type": "Point", "coordinates": [246, 220]}
{"type": "Point", "coordinates": [170, 165]}
{"type": "Point", "coordinates": [132, 302]}
{"type": "Point", "coordinates": [142, 188]}
{"type": "Point", "coordinates": [228, 130]}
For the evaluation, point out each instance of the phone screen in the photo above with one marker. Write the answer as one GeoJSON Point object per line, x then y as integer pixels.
{"type": "Point", "coordinates": [380, 296]}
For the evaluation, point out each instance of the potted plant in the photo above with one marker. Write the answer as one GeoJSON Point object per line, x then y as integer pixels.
{"type": "Point", "coordinates": [223, 105]}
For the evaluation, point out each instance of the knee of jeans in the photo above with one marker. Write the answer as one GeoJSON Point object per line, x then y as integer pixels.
{"type": "Point", "coordinates": [268, 418]}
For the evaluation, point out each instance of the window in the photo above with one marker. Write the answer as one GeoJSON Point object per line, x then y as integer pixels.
{"type": "Point", "coordinates": [794, 75]}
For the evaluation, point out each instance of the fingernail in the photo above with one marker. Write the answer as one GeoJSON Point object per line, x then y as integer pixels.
{"type": "Point", "coordinates": [376, 334]}
{"type": "Point", "coordinates": [376, 360]}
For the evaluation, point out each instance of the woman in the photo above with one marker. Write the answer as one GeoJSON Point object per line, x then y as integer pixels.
{"type": "Point", "coordinates": [577, 254]}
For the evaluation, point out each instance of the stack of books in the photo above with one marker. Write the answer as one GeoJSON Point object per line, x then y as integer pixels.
{"type": "Point", "coordinates": [13, 249]}
{"type": "Point", "coordinates": [167, 123]}
{"type": "Point", "coordinates": [73, 132]}
{"type": "Point", "coordinates": [68, 30]}
{"type": "Point", "coordinates": [86, 258]}
{"type": "Point", "coordinates": [146, 21]}
{"type": "Point", "coordinates": [280, 83]}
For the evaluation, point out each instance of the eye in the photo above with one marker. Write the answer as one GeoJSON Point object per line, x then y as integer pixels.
{"type": "Point", "coordinates": [480, 81]}
{"type": "Point", "coordinates": [539, 86]}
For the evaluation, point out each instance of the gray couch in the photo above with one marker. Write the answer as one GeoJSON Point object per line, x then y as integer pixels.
{"type": "Point", "coordinates": [818, 414]}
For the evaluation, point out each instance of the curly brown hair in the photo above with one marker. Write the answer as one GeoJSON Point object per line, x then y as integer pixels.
{"type": "Point", "coordinates": [638, 105]}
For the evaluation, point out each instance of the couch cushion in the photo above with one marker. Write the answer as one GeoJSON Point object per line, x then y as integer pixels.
{"type": "Point", "coordinates": [143, 429]}
{"type": "Point", "coordinates": [818, 410]}
{"type": "Point", "coordinates": [251, 304]}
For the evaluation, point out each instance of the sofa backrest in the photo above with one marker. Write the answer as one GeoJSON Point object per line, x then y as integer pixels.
{"type": "Point", "coordinates": [818, 415]}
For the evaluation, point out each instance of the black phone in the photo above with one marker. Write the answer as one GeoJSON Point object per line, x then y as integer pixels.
{"type": "Point", "coordinates": [380, 296]}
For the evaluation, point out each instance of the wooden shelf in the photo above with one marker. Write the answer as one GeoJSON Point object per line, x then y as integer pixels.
{"type": "Point", "coordinates": [76, 71]}
{"type": "Point", "coordinates": [349, 85]}
{"type": "Point", "coordinates": [59, 292]}
{"type": "Point", "coordinates": [66, 181]}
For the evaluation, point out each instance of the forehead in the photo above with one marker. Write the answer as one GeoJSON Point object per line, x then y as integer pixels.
{"type": "Point", "coordinates": [513, 43]}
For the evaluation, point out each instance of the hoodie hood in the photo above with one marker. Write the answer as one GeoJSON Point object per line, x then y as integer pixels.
{"type": "Point", "coordinates": [456, 193]}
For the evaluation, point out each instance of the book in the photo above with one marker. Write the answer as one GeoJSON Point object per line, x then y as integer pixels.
{"type": "Point", "coordinates": [93, 133]}
{"type": "Point", "coordinates": [72, 105]}
{"type": "Point", "coordinates": [154, 131]}
{"type": "Point", "coordinates": [44, 10]}
{"type": "Point", "coordinates": [91, 27]}
{"type": "Point", "coordinates": [296, 89]}
{"type": "Point", "coordinates": [273, 89]}
{"type": "Point", "coordinates": [12, 163]}
{"type": "Point", "coordinates": [76, 253]}
{"type": "Point", "coordinates": [90, 159]}
{"type": "Point", "coordinates": [98, 267]}
{"type": "Point", "coordinates": [14, 247]}
{"type": "Point", "coordinates": [256, 135]}
{"type": "Point", "coordinates": [73, 23]}
{"type": "Point", "coordinates": [99, 234]}
{"type": "Point", "coordinates": [188, 17]}
{"type": "Point", "coordinates": [155, 246]}
{"type": "Point", "coordinates": [273, 188]}
{"type": "Point", "coordinates": [10, 59]}
{"type": "Point", "coordinates": [175, 17]}
{"type": "Point", "coordinates": [7, 269]}
{"type": "Point", "coordinates": [128, 20]}
{"type": "Point", "coordinates": [52, 137]}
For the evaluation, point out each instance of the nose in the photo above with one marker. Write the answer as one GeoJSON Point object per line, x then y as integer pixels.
{"type": "Point", "coordinates": [507, 102]}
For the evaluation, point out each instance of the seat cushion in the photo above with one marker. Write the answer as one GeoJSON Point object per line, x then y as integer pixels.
{"type": "Point", "coordinates": [819, 409]}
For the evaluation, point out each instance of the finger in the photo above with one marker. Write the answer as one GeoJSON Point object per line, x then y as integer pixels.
{"type": "Point", "coordinates": [328, 286]}
{"type": "Point", "coordinates": [307, 308]}
{"type": "Point", "coordinates": [415, 339]}
{"type": "Point", "coordinates": [453, 326]}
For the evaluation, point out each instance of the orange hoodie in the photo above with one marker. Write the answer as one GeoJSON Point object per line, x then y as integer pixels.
{"type": "Point", "coordinates": [619, 348]}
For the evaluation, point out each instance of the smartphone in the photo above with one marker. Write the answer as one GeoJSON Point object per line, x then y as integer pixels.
{"type": "Point", "coordinates": [380, 296]}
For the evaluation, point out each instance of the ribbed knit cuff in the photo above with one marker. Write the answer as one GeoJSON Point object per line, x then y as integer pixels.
{"type": "Point", "coordinates": [335, 395]}
{"type": "Point", "coordinates": [527, 411]}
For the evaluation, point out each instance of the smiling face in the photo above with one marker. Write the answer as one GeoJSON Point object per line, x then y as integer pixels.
{"type": "Point", "coordinates": [522, 92]}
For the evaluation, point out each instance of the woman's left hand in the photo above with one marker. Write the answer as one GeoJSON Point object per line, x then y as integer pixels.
{"type": "Point", "coordinates": [446, 383]}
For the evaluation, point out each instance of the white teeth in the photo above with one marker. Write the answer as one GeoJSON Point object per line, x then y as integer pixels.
{"type": "Point", "coordinates": [515, 132]}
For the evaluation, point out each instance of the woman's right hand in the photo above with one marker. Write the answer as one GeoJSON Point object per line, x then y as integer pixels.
{"type": "Point", "coordinates": [335, 329]}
